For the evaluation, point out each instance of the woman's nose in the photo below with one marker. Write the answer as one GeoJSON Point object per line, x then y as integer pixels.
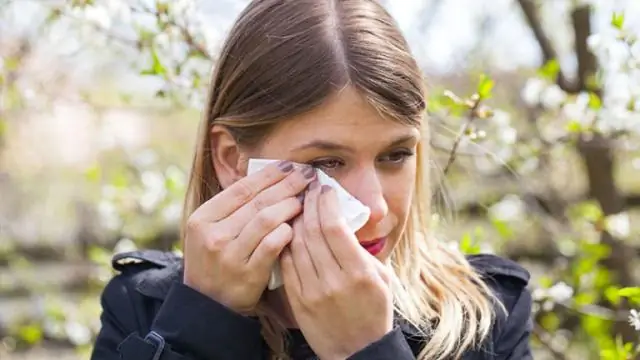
{"type": "Point", "coordinates": [368, 188]}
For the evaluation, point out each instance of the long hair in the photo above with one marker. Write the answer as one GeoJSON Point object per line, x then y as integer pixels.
{"type": "Point", "coordinates": [286, 57]}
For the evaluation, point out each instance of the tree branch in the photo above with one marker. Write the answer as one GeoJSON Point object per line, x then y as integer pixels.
{"type": "Point", "coordinates": [530, 13]}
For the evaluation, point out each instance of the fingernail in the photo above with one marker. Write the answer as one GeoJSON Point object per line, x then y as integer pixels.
{"type": "Point", "coordinates": [285, 166]}
{"type": "Point", "coordinates": [309, 172]}
{"type": "Point", "coordinates": [314, 184]}
{"type": "Point", "coordinates": [300, 198]}
{"type": "Point", "coordinates": [325, 189]}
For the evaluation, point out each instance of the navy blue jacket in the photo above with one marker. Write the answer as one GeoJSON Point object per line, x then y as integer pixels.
{"type": "Point", "coordinates": [149, 314]}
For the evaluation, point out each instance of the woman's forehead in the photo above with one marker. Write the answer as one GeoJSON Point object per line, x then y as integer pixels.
{"type": "Point", "coordinates": [346, 115]}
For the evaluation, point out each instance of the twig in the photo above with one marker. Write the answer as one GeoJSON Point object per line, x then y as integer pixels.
{"type": "Point", "coordinates": [472, 116]}
{"type": "Point", "coordinates": [186, 34]}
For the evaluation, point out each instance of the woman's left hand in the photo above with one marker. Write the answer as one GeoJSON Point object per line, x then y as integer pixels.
{"type": "Point", "coordinates": [338, 292]}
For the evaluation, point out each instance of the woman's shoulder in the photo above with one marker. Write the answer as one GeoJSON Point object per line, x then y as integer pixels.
{"type": "Point", "coordinates": [148, 273]}
{"type": "Point", "coordinates": [501, 270]}
{"type": "Point", "coordinates": [509, 282]}
{"type": "Point", "coordinates": [507, 279]}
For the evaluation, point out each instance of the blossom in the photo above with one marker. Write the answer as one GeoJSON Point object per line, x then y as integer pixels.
{"type": "Point", "coordinates": [553, 97]}
{"type": "Point", "coordinates": [634, 319]}
{"type": "Point", "coordinates": [560, 292]}
{"type": "Point", "coordinates": [510, 208]}
{"type": "Point", "coordinates": [532, 90]}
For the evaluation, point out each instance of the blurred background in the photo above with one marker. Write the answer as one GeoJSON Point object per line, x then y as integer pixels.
{"type": "Point", "coordinates": [534, 107]}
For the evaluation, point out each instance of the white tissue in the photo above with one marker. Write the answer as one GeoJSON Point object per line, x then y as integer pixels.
{"type": "Point", "coordinates": [354, 212]}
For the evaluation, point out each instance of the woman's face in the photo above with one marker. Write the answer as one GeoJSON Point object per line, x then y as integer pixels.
{"type": "Point", "coordinates": [372, 157]}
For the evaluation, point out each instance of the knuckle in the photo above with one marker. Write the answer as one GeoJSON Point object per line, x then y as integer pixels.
{"type": "Point", "coordinates": [333, 289]}
{"type": "Point", "coordinates": [259, 203]}
{"type": "Point", "coordinates": [316, 298]}
{"type": "Point", "coordinates": [215, 243]}
{"type": "Point", "coordinates": [363, 279]}
{"type": "Point", "coordinates": [291, 184]}
{"type": "Point", "coordinates": [271, 246]}
{"type": "Point", "coordinates": [193, 223]}
{"type": "Point", "coordinates": [243, 192]}
{"type": "Point", "coordinates": [266, 220]}
{"type": "Point", "coordinates": [333, 228]}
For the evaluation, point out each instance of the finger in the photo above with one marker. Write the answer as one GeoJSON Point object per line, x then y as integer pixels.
{"type": "Point", "coordinates": [321, 255]}
{"type": "Point", "coordinates": [290, 186]}
{"type": "Point", "coordinates": [262, 224]}
{"type": "Point", "coordinates": [290, 278]}
{"type": "Point", "coordinates": [340, 239]}
{"type": "Point", "coordinates": [242, 191]}
{"type": "Point", "coordinates": [382, 269]}
{"type": "Point", "coordinates": [270, 248]}
{"type": "Point", "coordinates": [301, 258]}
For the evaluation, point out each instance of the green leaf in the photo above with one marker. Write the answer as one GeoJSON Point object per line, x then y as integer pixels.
{"type": "Point", "coordinates": [468, 245]}
{"type": "Point", "coordinates": [617, 20]}
{"type": "Point", "coordinates": [596, 251]}
{"type": "Point", "coordinates": [545, 282]}
{"type": "Point", "coordinates": [612, 295]}
{"type": "Point", "coordinates": [587, 210]}
{"type": "Point", "coordinates": [594, 101]}
{"type": "Point", "coordinates": [99, 255]}
{"type": "Point", "coordinates": [550, 70]}
{"type": "Point", "coordinates": [585, 299]}
{"type": "Point", "coordinates": [92, 174]}
{"type": "Point", "coordinates": [550, 322]}
{"type": "Point", "coordinates": [485, 86]}
{"type": "Point", "coordinates": [574, 126]}
{"type": "Point", "coordinates": [504, 230]}
{"type": "Point", "coordinates": [31, 334]}
{"type": "Point", "coordinates": [157, 68]}
{"type": "Point", "coordinates": [631, 293]}
{"type": "Point", "coordinates": [450, 102]}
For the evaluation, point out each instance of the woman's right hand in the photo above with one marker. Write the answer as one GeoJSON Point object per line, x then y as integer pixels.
{"type": "Point", "coordinates": [233, 240]}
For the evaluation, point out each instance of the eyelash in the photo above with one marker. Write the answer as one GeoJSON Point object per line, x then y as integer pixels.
{"type": "Point", "coordinates": [404, 155]}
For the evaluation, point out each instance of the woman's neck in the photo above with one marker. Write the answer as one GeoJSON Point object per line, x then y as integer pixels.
{"type": "Point", "coordinates": [277, 301]}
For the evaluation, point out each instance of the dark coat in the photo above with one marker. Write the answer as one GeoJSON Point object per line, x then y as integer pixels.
{"type": "Point", "coordinates": [149, 314]}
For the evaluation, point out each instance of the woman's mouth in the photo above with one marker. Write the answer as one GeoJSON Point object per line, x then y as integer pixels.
{"type": "Point", "coordinates": [374, 247]}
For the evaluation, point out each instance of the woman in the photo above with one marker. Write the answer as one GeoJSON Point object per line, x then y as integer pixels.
{"type": "Point", "coordinates": [330, 84]}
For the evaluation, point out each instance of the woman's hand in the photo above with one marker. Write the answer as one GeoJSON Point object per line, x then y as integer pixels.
{"type": "Point", "coordinates": [234, 238]}
{"type": "Point", "coordinates": [338, 292]}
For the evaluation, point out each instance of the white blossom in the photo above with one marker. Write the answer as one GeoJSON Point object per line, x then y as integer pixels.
{"type": "Point", "coordinates": [77, 333]}
{"type": "Point", "coordinates": [510, 208]}
{"type": "Point", "coordinates": [634, 319]}
{"type": "Point", "coordinates": [532, 90]}
{"type": "Point", "coordinates": [145, 158]}
{"type": "Point", "coordinates": [560, 292]}
{"type": "Point", "coordinates": [553, 97]}
{"type": "Point", "coordinates": [97, 15]}
{"type": "Point", "coordinates": [619, 225]}
{"type": "Point", "coordinates": [154, 190]}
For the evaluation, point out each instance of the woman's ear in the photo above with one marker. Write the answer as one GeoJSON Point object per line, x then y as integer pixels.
{"type": "Point", "coordinates": [228, 161]}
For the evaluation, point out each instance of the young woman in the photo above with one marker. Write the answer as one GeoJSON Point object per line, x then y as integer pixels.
{"type": "Point", "coordinates": [330, 84]}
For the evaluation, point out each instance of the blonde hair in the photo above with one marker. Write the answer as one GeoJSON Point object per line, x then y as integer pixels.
{"type": "Point", "coordinates": [285, 57]}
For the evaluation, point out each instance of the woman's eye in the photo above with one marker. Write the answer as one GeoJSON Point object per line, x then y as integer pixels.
{"type": "Point", "coordinates": [327, 164]}
{"type": "Point", "coordinates": [397, 156]}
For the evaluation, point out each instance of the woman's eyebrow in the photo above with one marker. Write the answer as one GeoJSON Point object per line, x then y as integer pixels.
{"type": "Point", "coordinates": [334, 146]}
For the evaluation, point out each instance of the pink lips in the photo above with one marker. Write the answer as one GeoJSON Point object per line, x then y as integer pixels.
{"type": "Point", "coordinates": [374, 247]}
